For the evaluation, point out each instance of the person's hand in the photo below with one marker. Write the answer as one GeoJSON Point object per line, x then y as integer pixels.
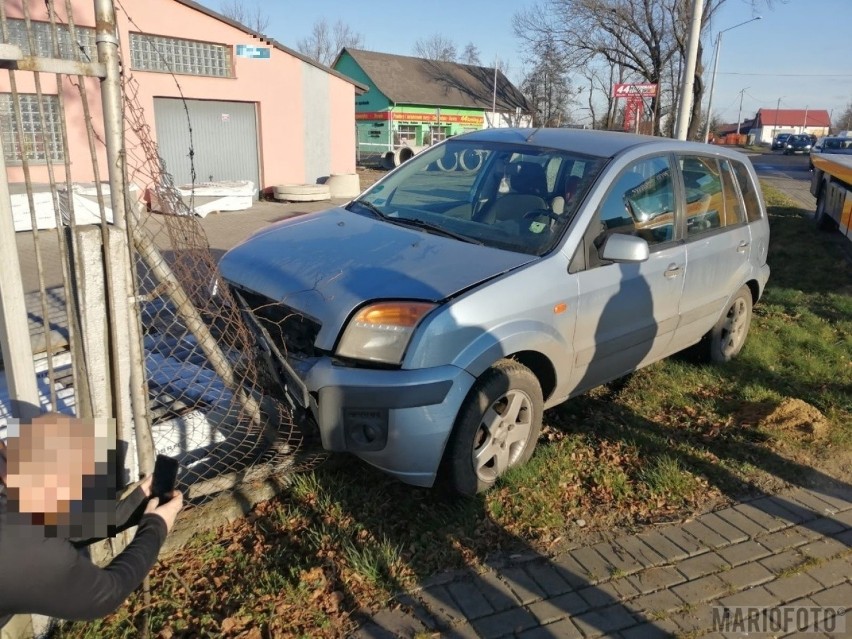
{"type": "Point", "coordinates": [168, 512]}
{"type": "Point", "coordinates": [146, 484]}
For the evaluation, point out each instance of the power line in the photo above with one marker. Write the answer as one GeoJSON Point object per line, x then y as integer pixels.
{"type": "Point", "coordinates": [791, 75]}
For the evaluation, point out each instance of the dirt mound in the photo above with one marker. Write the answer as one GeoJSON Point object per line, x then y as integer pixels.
{"type": "Point", "coordinates": [796, 415]}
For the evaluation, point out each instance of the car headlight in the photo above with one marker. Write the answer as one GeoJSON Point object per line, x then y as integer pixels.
{"type": "Point", "coordinates": [380, 332]}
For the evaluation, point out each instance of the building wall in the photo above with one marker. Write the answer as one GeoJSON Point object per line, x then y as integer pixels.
{"type": "Point", "coordinates": [299, 138]}
{"type": "Point", "coordinates": [341, 96]}
{"type": "Point", "coordinates": [315, 115]}
{"type": "Point", "coordinates": [372, 99]}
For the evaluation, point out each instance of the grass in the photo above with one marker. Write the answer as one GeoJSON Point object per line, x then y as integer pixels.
{"type": "Point", "coordinates": [806, 563]}
{"type": "Point", "coordinates": [669, 441]}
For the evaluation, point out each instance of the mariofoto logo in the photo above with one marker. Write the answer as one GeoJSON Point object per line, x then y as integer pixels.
{"type": "Point", "coordinates": [779, 619]}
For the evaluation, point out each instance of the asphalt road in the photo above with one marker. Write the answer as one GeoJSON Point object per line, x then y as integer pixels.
{"type": "Point", "coordinates": [789, 173]}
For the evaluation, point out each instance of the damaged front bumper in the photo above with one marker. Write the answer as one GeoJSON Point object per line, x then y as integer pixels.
{"type": "Point", "coordinates": [397, 420]}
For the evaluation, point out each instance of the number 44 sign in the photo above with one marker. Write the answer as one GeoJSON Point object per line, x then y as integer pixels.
{"type": "Point", "coordinates": [644, 90]}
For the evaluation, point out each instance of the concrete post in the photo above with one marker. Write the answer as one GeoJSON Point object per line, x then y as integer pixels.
{"type": "Point", "coordinates": [688, 79]}
{"type": "Point", "coordinates": [124, 315]}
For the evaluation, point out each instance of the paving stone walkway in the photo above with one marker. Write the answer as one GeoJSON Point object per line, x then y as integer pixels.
{"type": "Point", "coordinates": [791, 549]}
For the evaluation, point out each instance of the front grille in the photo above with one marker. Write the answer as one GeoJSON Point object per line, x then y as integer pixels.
{"type": "Point", "coordinates": [293, 333]}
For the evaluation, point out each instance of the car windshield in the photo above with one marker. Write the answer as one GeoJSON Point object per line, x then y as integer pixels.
{"type": "Point", "coordinates": [799, 139]}
{"type": "Point", "coordinates": [514, 197]}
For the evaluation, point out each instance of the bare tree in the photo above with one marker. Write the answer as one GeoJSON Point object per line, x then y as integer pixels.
{"type": "Point", "coordinates": [253, 17]}
{"type": "Point", "coordinates": [645, 37]}
{"type": "Point", "coordinates": [843, 122]}
{"type": "Point", "coordinates": [326, 41]}
{"type": "Point", "coordinates": [436, 47]}
{"type": "Point", "coordinates": [601, 79]}
{"type": "Point", "coordinates": [548, 89]}
{"type": "Point", "coordinates": [470, 55]}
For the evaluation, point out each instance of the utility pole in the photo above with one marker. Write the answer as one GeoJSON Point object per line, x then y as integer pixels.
{"type": "Point", "coordinates": [494, 97]}
{"type": "Point", "coordinates": [715, 68]}
{"type": "Point", "coordinates": [805, 123]}
{"type": "Point", "coordinates": [775, 126]}
{"type": "Point", "coordinates": [712, 86]}
{"type": "Point", "coordinates": [740, 113]}
{"type": "Point", "coordinates": [688, 79]}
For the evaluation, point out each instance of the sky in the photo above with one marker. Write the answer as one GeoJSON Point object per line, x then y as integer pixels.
{"type": "Point", "coordinates": [789, 53]}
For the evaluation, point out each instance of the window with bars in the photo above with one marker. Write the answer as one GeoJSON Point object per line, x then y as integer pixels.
{"type": "Point", "coordinates": [190, 57]}
{"type": "Point", "coordinates": [39, 140]}
{"type": "Point", "coordinates": [82, 47]}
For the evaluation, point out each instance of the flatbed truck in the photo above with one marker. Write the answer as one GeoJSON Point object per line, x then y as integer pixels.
{"type": "Point", "coordinates": [831, 185]}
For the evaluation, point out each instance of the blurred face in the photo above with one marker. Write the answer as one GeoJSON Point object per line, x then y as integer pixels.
{"type": "Point", "coordinates": [47, 462]}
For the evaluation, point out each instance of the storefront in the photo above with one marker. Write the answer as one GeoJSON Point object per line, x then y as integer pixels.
{"type": "Point", "coordinates": [413, 102]}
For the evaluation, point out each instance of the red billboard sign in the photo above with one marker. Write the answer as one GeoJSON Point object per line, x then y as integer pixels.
{"type": "Point", "coordinates": [627, 89]}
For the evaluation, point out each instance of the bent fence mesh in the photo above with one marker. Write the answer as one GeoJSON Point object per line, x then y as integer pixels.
{"type": "Point", "coordinates": [214, 394]}
{"type": "Point", "coordinates": [215, 399]}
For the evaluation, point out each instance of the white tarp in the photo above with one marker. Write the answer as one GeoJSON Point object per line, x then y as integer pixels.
{"type": "Point", "coordinates": [213, 196]}
{"type": "Point", "coordinates": [84, 199]}
{"type": "Point", "coordinates": [177, 437]}
{"type": "Point", "coordinates": [64, 396]}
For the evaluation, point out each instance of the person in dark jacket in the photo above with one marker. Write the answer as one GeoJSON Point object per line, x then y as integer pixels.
{"type": "Point", "coordinates": [52, 493]}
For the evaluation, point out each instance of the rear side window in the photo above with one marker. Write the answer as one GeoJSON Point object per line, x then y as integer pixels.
{"type": "Point", "coordinates": [734, 209]}
{"type": "Point", "coordinates": [747, 188]}
{"type": "Point", "coordinates": [705, 204]}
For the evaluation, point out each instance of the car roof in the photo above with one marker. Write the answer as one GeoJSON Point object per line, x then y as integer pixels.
{"type": "Point", "coordinates": [589, 142]}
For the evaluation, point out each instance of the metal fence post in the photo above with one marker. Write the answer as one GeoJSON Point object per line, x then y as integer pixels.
{"type": "Point", "coordinates": [125, 327]}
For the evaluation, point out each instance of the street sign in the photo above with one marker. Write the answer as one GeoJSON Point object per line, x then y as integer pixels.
{"type": "Point", "coordinates": [627, 89]}
{"type": "Point", "coordinates": [250, 51]}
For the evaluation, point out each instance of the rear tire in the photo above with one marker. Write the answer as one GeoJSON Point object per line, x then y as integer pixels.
{"type": "Point", "coordinates": [727, 338]}
{"type": "Point", "coordinates": [497, 427]}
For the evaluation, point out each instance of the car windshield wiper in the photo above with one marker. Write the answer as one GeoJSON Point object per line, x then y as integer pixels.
{"type": "Point", "coordinates": [432, 228]}
{"type": "Point", "coordinates": [372, 208]}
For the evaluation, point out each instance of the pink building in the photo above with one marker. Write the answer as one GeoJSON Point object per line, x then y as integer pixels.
{"type": "Point", "coordinates": [258, 110]}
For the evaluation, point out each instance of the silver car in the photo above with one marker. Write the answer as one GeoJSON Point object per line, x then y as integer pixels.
{"type": "Point", "coordinates": [428, 323]}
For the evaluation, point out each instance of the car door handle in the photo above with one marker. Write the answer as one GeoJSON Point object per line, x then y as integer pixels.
{"type": "Point", "coordinates": [672, 271]}
{"type": "Point", "coordinates": [741, 248]}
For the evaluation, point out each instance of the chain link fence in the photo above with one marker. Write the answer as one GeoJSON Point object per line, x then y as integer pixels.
{"type": "Point", "coordinates": [213, 397]}
{"type": "Point", "coordinates": [216, 401]}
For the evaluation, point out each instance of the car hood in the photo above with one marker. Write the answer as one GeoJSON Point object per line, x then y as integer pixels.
{"type": "Point", "coordinates": [327, 264]}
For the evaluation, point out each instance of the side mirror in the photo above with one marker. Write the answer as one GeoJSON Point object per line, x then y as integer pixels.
{"type": "Point", "coordinates": [625, 248]}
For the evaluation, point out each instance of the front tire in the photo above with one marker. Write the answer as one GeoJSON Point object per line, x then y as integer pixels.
{"type": "Point", "coordinates": [727, 338]}
{"type": "Point", "coordinates": [497, 427]}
